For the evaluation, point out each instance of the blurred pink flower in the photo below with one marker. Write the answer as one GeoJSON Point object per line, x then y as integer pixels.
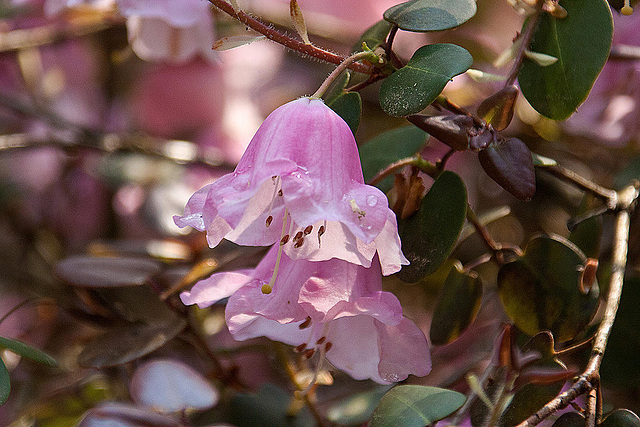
{"type": "Point", "coordinates": [332, 307]}
{"type": "Point", "coordinates": [300, 170]}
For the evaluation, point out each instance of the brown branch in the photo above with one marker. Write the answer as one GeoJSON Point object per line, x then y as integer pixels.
{"type": "Point", "coordinates": [286, 41]}
{"type": "Point", "coordinates": [417, 161]}
{"type": "Point", "coordinates": [567, 175]}
{"type": "Point", "coordinates": [525, 40]}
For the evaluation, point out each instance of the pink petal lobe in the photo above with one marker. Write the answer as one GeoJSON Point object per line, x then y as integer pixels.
{"type": "Point", "coordinates": [216, 287]}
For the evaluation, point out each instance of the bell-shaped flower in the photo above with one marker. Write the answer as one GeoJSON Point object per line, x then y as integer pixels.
{"type": "Point", "coordinates": [300, 182]}
{"type": "Point", "coordinates": [332, 308]}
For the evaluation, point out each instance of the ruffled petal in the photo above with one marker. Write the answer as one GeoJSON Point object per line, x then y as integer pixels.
{"type": "Point", "coordinates": [216, 287]}
{"type": "Point", "coordinates": [403, 350]}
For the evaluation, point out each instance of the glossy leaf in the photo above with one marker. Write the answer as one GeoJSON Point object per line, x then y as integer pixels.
{"type": "Point", "coordinates": [124, 344]}
{"type": "Point", "coordinates": [454, 130]}
{"type": "Point", "coordinates": [414, 405]}
{"type": "Point", "coordinates": [357, 408]}
{"type": "Point", "coordinates": [570, 419]}
{"type": "Point", "coordinates": [416, 85]}
{"type": "Point", "coordinates": [581, 42]}
{"type": "Point", "coordinates": [497, 110]}
{"type": "Point", "coordinates": [430, 15]}
{"type": "Point", "coordinates": [621, 418]}
{"type": "Point", "coordinates": [106, 272]}
{"type": "Point", "coordinates": [389, 147]}
{"type": "Point", "coordinates": [373, 36]}
{"type": "Point", "coordinates": [457, 306]}
{"type": "Point", "coordinates": [541, 290]}
{"type": "Point", "coordinates": [5, 383]}
{"type": "Point", "coordinates": [27, 351]}
{"type": "Point", "coordinates": [509, 164]}
{"type": "Point", "coordinates": [269, 407]}
{"type": "Point", "coordinates": [170, 386]}
{"type": "Point", "coordinates": [429, 235]}
{"type": "Point", "coordinates": [348, 106]}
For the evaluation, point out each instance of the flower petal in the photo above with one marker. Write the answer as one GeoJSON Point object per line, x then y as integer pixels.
{"type": "Point", "coordinates": [216, 287]}
{"type": "Point", "coordinates": [403, 350]}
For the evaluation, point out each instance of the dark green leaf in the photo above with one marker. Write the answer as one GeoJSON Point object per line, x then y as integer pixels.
{"type": "Point", "coordinates": [587, 234]}
{"type": "Point", "coordinates": [621, 418]}
{"type": "Point", "coordinates": [348, 106]}
{"type": "Point", "coordinates": [415, 86]}
{"type": "Point", "coordinates": [337, 87]}
{"type": "Point", "coordinates": [457, 306]}
{"type": "Point", "coordinates": [509, 163]}
{"type": "Point", "coordinates": [389, 147]}
{"type": "Point", "coordinates": [357, 408]}
{"type": "Point", "coordinates": [581, 42]}
{"type": "Point", "coordinates": [267, 408]}
{"type": "Point", "coordinates": [106, 272]}
{"type": "Point", "coordinates": [429, 235]}
{"type": "Point", "coordinates": [628, 174]}
{"type": "Point", "coordinates": [5, 383]}
{"type": "Point", "coordinates": [541, 290]}
{"type": "Point", "coordinates": [527, 400]}
{"type": "Point", "coordinates": [431, 15]}
{"type": "Point", "coordinates": [414, 405]}
{"type": "Point", "coordinates": [27, 351]}
{"type": "Point", "coordinates": [124, 344]}
{"type": "Point", "coordinates": [570, 419]}
{"type": "Point", "coordinates": [373, 36]}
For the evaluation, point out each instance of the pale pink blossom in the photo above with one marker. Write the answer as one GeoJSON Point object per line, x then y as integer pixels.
{"type": "Point", "coordinates": [333, 308]}
{"type": "Point", "coordinates": [300, 182]}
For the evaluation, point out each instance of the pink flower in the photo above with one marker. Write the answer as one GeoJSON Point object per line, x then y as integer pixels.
{"type": "Point", "coordinates": [334, 308]}
{"type": "Point", "coordinates": [300, 182]}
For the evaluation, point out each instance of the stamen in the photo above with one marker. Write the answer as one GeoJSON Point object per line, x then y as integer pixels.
{"type": "Point", "coordinates": [299, 243]}
{"type": "Point", "coordinates": [298, 236]}
{"type": "Point", "coordinates": [328, 346]}
{"type": "Point", "coordinates": [308, 230]}
{"type": "Point", "coordinates": [305, 324]}
{"type": "Point", "coordinates": [284, 239]}
{"type": "Point", "coordinates": [308, 354]}
{"type": "Point", "coordinates": [269, 220]}
{"type": "Point", "coordinates": [321, 340]}
{"type": "Point", "coordinates": [267, 288]}
{"type": "Point", "coordinates": [627, 9]}
{"type": "Point", "coordinates": [280, 193]}
{"type": "Point", "coordinates": [276, 183]}
{"type": "Point", "coordinates": [321, 231]}
{"type": "Point", "coordinates": [300, 348]}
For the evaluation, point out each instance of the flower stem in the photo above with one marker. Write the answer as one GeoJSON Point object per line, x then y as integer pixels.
{"type": "Point", "coordinates": [286, 41]}
{"type": "Point", "coordinates": [339, 69]}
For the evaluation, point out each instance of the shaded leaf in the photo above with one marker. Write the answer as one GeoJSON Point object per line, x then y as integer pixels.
{"type": "Point", "coordinates": [621, 418]}
{"type": "Point", "coordinates": [106, 272]}
{"type": "Point", "coordinates": [5, 383]}
{"type": "Point", "coordinates": [457, 306]}
{"type": "Point", "coordinates": [357, 408]}
{"type": "Point", "coordinates": [27, 351]}
{"type": "Point", "coordinates": [231, 42]}
{"type": "Point", "coordinates": [570, 419]}
{"type": "Point", "coordinates": [509, 164]}
{"type": "Point", "coordinates": [527, 400]}
{"type": "Point", "coordinates": [389, 147]}
{"type": "Point", "coordinates": [416, 85]}
{"type": "Point", "coordinates": [337, 87]}
{"type": "Point", "coordinates": [453, 130]}
{"type": "Point", "coordinates": [429, 235]}
{"type": "Point", "coordinates": [541, 289]}
{"type": "Point", "coordinates": [373, 36]}
{"type": "Point", "coordinates": [117, 414]}
{"type": "Point", "coordinates": [498, 109]}
{"type": "Point", "coordinates": [588, 233]}
{"type": "Point", "coordinates": [126, 343]}
{"type": "Point", "coordinates": [171, 386]}
{"type": "Point", "coordinates": [430, 15]}
{"type": "Point", "coordinates": [348, 106]}
{"type": "Point", "coordinates": [414, 405]}
{"type": "Point", "coordinates": [581, 42]}
{"type": "Point", "coordinates": [298, 20]}
{"type": "Point", "coordinates": [267, 408]}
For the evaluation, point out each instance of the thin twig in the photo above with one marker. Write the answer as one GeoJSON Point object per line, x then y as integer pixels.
{"type": "Point", "coordinates": [417, 161]}
{"type": "Point", "coordinates": [286, 41]}
{"type": "Point", "coordinates": [488, 240]}
{"type": "Point", "coordinates": [338, 70]}
{"type": "Point", "coordinates": [567, 175]}
{"type": "Point", "coordinates": [525, 40]}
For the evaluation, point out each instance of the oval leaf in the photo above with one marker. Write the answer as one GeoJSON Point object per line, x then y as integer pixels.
{"type": "Point", "coordinates": [621, 418]}
{"type": "Point", "coordinates": [526, 401]}
{"type": "Point", "coordinates": [581, 42]}
{"type": "Point", "coordinates": [430, 15]}
{"type": "Point", "coordinates": [171, 386]}
{"type": "Point", "coordinates": [541, 290]}
{"type": "Point", "coordinates": [509, 163]}
{"type": "Point", "coordinates": [5, 383]}
{"type": "Point", "coordinates": [570, 419]}
{"type": "Point", "coordinates": [498, 109]}
{"type": "Point", "coordinates": [348, 106]}
{"type": "Point", "coordinates": [454, 130]}
{"type": "Point", "coordinates": [373, 36]}
{"type": "Point", "coordinates": [415, 86]}
{"type": "Point", "coordinates": [414, 405]}
{"type": "Point", "coordinates": [457, 307]}
{"type": "Point", "coordinates": [27, 351]}
{"type": "Point", "coordinates": [122, 414]}
{"type": "Point", "coordinates": [387, 148]}
{"type": "Point", "coordinates": [357, 408]}
{"type": "Point", "coordinates": [124, 344]}
{"type": "Point", "coordinates": [429, 235]}
{"type": "Point", "coordinates": [106, 272]}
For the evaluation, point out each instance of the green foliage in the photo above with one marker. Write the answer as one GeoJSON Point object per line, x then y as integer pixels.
{"type": "Point", "coordinates": [621, 418]}
{"type": "Point", "coordinates": [541, 289]}
{"type": "Point", "coordinates": [430, 15]}
{"type": "Point", "coordinates": [27, 351]}
{"type": "Point", "coordinates": [267, 408]}
{"type": "Point", "coordinates": [581, 42]}
{"type": "Point", "coordinates": [429, 235]}
{"type": "Point", "coordinates": [457, 306]}
{"type": "Point", "coordinates": [416, 85]}
{"type": "Point", "coordinates": [414, 405]}
{"type": "Point", "coordinates": [389, 147]}
{"type": "Point", "coordinates": [348, 105]}
{"type": "Point", "coordinates": [357, 408]}
{"type": "Point", "coordinates": [373, 36]}
{"type": "Point", "coordinates": [5, 383]}
{"type": "Point", "coordinates": [570, 419]}
{"type": "Point", "coordinates": [527, 400]}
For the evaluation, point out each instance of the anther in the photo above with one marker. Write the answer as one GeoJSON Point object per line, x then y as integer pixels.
{"type": "Point", "coordinates": [302, 347]}
{"type": "Point", "coordinates": [298, 236]}
{"type": "Point", "coordinates": [284, 239]}
{"type": "Point", "coordinates": [299, 243]}
{"type": "Point", "coordinates": [328, 346]}
{"type": "Point", "coordinates": [308, 230]}
{"type": "Point", "coordinates": [306, 323]}
{"type": "Point", "coordinates": [626, 9]}
{"type": "Point", "coordinates": [308, 354]}
{"type": "Point", "coordinates": [269, 220]}
{"type": "Point", "coordinates": [321, 340]}
{"type": "Point", "coordinates": [320, 231]}
{"type": "Point", "coordinates": [280, 192]}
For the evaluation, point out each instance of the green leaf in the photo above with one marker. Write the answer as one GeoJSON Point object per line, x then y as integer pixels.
{"type": "Point", "coordinates": [457, 306]}
{"type": "Point", "coordinates": [541, 289]}
{"type": "Point", "coordinates": [337, 87]}
{"type": "Point", "coordinates": [621, 418]}
{"type": "Point", "coordinates": [373, 36]}
{"type": "Point", "coordinates": [429, 235]}
{"type": "Point", "coordinates": [416, 85]}
{"type": "Point", "coordinates": [389, 147]}
{"type": "Point", "coordinates": [570, 419]}
{"type": "Point", "coordinates": [357, 408]}
{"type": "Point", "coordinates": [348, 106]}
{"type": "Point", "coordinates": [581, 42]}
{"type": "Point", "coordinates": [527, 400]}
{"type": "Point", "coordinates": [5, 383]}
{"type": "Point", "coordinates": [27, 351]}
{"type": "Point", "coordinates": [587, 234]}
{"type": "Point", "coordinates": [431, 15]}
{"type": "Point", "coordinates": [269, 407]}
{"type": "Point", "coordinates": [415, 405]}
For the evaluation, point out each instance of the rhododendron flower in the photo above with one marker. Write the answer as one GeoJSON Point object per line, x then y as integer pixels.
{"type": "Point", "coordinates": [300, 182]}
{"type": "Point", "coordinates": [333, 308]}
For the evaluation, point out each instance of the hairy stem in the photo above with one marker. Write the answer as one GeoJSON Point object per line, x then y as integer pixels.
{"type": "Point", "coordinates": [339, 69]}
